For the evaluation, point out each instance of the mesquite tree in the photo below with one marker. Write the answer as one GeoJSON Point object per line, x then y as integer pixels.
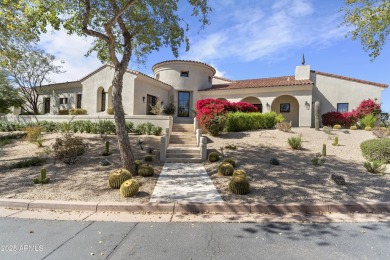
{"type": "Point", "coordinates": [122, 30]}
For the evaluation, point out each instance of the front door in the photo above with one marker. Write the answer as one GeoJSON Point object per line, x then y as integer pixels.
{"type": "Point", "coordinates": [183, 106]}
{"type": "Point", "coordinates": [151, 102]}
{"type": "Point", "coordinates": [46, 106]}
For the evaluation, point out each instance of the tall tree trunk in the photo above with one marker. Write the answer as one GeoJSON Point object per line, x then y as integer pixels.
{"type": "Point", "coordinates": [121, 131]}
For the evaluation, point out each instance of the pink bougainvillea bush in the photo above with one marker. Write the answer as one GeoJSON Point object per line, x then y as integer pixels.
{"type": "Point", "coordinates": [212, 113]}
{"type": "Point", "coordinates": [347, 119]}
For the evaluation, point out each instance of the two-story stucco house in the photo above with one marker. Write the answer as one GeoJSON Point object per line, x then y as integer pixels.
{"type": "Point", "coordinates": [189, 81]}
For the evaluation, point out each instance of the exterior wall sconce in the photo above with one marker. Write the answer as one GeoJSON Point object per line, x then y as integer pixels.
{"type": "Point", "coordinates": [268, 106]}
{"type": "Point", "coordinates": [307, 105]}
{"type": "Point", "coordinates": [162, 103]}
{"type": "Point", "coordinates": [143, 99]}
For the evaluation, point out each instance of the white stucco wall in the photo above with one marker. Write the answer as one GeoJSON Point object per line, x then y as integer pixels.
{"type": "Point", "coordinates": [330, 90]}
{"type": "Point", "coordinates": [145, 86]}
{"type": "Point", "coordinates": [103, 78]}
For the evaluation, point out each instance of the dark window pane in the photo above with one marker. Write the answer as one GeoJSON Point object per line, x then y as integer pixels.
{"type": "Point", "coordinates": [183, 104]}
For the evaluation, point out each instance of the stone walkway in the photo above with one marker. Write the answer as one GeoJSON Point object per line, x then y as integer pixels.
{"type": "Point", "coordinates": [186, 182]}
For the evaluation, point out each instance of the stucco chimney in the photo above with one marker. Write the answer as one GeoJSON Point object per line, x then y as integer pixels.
{"type": "Point", "coordinates": [302, 72]}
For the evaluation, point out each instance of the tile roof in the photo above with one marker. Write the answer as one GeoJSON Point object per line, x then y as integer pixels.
{"type": "Point", "coordinates": [350, 79]}
{"type": "Point", "coordinates": [262, 83]}
{"type": "Point", "coordinates": [192, 61]}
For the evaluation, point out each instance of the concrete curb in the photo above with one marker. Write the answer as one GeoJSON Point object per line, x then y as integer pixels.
{"type": "Point", "coordinates": [181, 207]}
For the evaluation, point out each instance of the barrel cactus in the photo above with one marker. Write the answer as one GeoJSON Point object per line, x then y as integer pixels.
{"type": "Point", "coordinates": [368, 128]}
{"type": "Point", "coordinates": [129, 188]}
{"type": "Point", "coordinates": [231, 161]}
{"type": "Point", "coordinates": [353, 127]}
{"type": "Point", "coordinates": [118, 177]}
{"type": "Point", "coordinates": [239, 185]}
{"type": "Point", "coordinates": [337, 127]}
{"type": "Point", "coordinates": [239, 173]}
{"type": "Point", "coordinates": [213, 157]}
{"type": "Point", "coordinates": [148, 158]}
{"type": "Point", "coordinates": [145, 170]}
{"type": "Point", "coordinates": [225, 169]}
{"type": "Point", "coordinates": [138, 163]}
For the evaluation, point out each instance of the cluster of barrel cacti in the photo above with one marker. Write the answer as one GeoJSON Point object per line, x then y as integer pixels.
{"type": "Point", "coordinates": [118, 177]}
{"type": "Point", "coordinates": [42, 179]}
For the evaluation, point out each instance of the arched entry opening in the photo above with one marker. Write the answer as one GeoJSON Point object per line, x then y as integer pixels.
{"type": "Point", "coordinates": [109, 97]}
{"type": "Point", "coordinates": [288, 106]}
{"type": "Point", "coordinates": [254, 101]}
{"type": "Point", "coordinates": [101, 99]}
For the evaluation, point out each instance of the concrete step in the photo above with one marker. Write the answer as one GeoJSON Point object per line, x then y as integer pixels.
{"type": "Point", "coordinates": [182, 145]}
{"type": "Point", "coordinates": [179, 149]}
{"type": "Point", "coordinates": [183, 155]}
{"type": "Point", "coordinates": [182, 137]}
{"type": "Point", "coordinates": [183, 160]}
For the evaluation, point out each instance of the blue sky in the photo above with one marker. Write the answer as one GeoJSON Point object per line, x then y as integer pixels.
{"type": "Point", "coordinates": [253, 39]}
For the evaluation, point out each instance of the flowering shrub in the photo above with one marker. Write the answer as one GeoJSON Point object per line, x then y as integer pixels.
{"type": "Point", "coordinates": [347, 119]}
{"type": "Point", "coordinates": [212, 113]}
{"type": "Point", "coordinates": [368, 106]}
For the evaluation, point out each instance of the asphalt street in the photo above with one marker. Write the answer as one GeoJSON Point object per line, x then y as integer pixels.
{"type": "Point", "coordinates": [50, 239]}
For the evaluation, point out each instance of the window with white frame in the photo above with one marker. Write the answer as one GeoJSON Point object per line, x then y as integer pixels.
{"type": "Point", "coordinates": [342, 107]}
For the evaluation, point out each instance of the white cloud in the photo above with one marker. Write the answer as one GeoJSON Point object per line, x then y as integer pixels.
{"type": "Point", "coordinates": [70, 49]}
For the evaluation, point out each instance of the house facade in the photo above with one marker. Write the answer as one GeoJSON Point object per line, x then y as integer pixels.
{"type": "Point", "coordinates": [185, 82]}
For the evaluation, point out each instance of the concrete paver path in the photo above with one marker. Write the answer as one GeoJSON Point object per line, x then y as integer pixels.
{"type": "Point", "coordinates": [186, 182]}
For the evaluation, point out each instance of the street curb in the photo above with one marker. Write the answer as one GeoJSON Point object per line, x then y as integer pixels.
{"type": "Point", "coordinates": [181, 207]}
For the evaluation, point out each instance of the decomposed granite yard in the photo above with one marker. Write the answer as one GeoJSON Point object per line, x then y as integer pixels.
{"type": "Point", "coordinates": [296, 179]}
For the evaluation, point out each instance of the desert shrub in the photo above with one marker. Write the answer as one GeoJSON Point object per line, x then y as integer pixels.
{"type": "Point", "coordinates": [239, 173]}
{"type": "Point", "coordinates": [368, 120]}
{"type": "Point", "coordinates": [110, 110]}
{"type": "Point", "coordinates": [63, 112]}
{"type": "Point", "coordinates": [12, 136]}
{"type": "Point", "coordinates": [77, 111]}
{"type": "Point", "coordinates": [68, 148]}
{"type": "Point", "coordinates": [239, 185]}
{"type": "Point", "coordinates": [317, 159]}
{"type": "Point", "coordinates": [118, 177]}
{"type": "Point", "coordinates": [225, 169]}
{"type": "Point", "coordinates": [145, 170]}
{"type": "Point", "coordinates": [295, 142]}
{"type": "Point", "coordinates": [376, 149]}
{"type": "Point", "coordinates": [148, 158]}
{"type": "Point", "coordinates": [279, 118]}
{"type": "Point", "coordinates": [231, 161]}
{"type": "Point", "coordinates": [87, 126]}
{"type": "Point", "coordinates": [284, 126]}
{"type": "Point", "coordinates": [213, 157]}
{"type": "Point", "coordinates": [240, 121]}
{"type": "Point", "coordinates": [33, 133]}
{"type": "Point", "coordinates": [274, 161]}
{"type": "Point", "coordinates": [211, 114]}
{"type": "Point", "coordinates": [42, 178]}
{"type": "Point", "coordinates": [353, 127]}
{"type": "Point", "coordinates": [129, 188]}
{"type": "Point", "coordinates": [333, 118]}
{"type": "Point", "coordinates": [34, 161]}
{"type": "Point", "coordinates": [144, 128]}
{"type": "Point", "coordinates": [129, 126]}
{"type": "Point", "coordinates": [381, 132]}
{"type": "Point", "coordinates": [337, 127]}
{"type": "Point", "coordinates": [156, 130]}
{"type": "Point", "coordinates": [6, 126]}
{"type": "Point", "coordinates": [366, 107]}
{"type": "Point", "coordinates": [170, 109]}
{"type": "Point", "coordinates": [105, 127]}
{"type": "Point", "coordinates": [375, 167]}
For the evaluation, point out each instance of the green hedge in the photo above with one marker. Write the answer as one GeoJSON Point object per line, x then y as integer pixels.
{"type": "Point", "coordinates": [376, 150]}
{"type": "Point", "coordinates": [240, 121]}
